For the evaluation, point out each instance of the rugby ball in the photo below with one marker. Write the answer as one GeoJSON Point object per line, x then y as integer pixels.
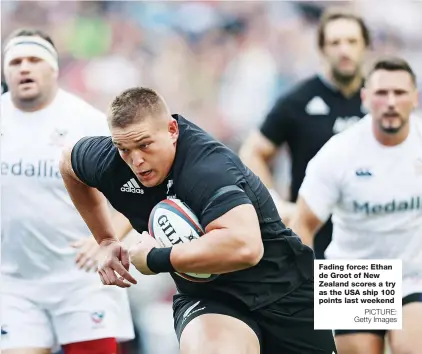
{"type": "Point", "coordinates": [172, 222]}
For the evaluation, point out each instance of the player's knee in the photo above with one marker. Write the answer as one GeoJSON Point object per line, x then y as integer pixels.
{"type": "Point", "coordinates": [200, 341]}
{"type": "Point", "coordinates": [217, 347]}
{"type": "Point", "coordinates": [403, 348]}
{"type": "Point", "coordinates": [359, 343]}
{"type": "Point", "coordinates": [98, 346]}
{"type": "Point", "coordinates": [218, 334]}
{"type": "Point", "coordinates": [408, 340]}
{"type": "Point", "coordinates": [402, 344]}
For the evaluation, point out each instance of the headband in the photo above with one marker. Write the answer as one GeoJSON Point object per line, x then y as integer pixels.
{"type": "Point", "coordinates": [31, 46]}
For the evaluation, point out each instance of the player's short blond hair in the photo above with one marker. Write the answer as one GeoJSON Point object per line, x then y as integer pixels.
{"type": "Point", "coordinates": [134, 105]}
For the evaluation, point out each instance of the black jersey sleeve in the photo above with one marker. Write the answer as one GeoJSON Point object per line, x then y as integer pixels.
{"type": "Point", "coordinates": [213, 186]}
{"type": "Point", "coordinates": [278, 122]}
{"type": "Point", "coordinates": [87, 159]}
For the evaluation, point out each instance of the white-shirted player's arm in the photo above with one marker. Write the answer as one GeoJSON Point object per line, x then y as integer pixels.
{"type": "Point", "coordinates": [318, 194]}
{"type": "Point", "coordinates": [90, 202]}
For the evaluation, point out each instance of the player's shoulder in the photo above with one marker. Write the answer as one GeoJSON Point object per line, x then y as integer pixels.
{"type": "Point", "coordinates": [67, 96]}
{"type": "Point", "coordinates": [6, 100]}
{"type": "Point", "coordinates": [347, 142]}
{"type": "Point", "coordinates": [354, 134]}
{"type": "Point", "coordinates": [303, 90]}
{"type": "Point", "coordinates": [96, 162]}
{"type": "Point", "coordinates": [80, 106]}
{"type": "Point", "coordinates": [83, 117]}
{"type": "Point", "coordinates": [97, 149]}
{"type": "Point", "coordinates": [98, 145]}
{"type": "Point", "coordinates": [199, 151]}
{"type": "Point", "coordinates": [416, 121]}
{"type": "Point", "coordinates": [7, 107]}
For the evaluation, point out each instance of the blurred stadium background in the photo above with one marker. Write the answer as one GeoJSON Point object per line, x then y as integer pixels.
{"type": "Point", "coordinates": [221, 64]}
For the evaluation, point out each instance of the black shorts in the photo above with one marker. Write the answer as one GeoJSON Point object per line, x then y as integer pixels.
{"type": "Point", "coordinates": [416, 297]}
{"type": "Point", "coordinates": [286, 326]}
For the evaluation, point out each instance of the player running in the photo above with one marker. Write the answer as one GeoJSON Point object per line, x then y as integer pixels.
{"type": "Point", "coordinates": [370, 179]}
{"type": "Point", "coordinates": [263, 300]}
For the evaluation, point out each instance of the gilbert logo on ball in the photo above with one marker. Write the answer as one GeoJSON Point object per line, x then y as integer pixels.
{"type": "Point", "coordinates": [172, 222]}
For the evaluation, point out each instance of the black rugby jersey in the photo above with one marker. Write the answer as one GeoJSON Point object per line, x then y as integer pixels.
{"type": "Point", "coordinates": [201, 168]}
{"type": "Point", "coordinates": [305, 119]}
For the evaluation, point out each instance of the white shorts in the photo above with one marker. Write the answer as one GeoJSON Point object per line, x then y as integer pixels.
{"type": "Point", "coordinates": [44, 314]}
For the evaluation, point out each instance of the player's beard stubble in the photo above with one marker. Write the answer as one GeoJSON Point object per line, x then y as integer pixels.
{"type": "Point", "coordinates": [392, 127]}
{"type": "Point", "coordinates": [344, 79]}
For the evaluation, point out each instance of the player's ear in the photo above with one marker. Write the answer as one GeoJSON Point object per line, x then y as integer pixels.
{"type": "Point", "coordinates": [416, 99]}
{"type": "Point", "coordinates": [173, 129]}
{"type": "Point", "coordinates": [364, 97]}
{"type": "Point", "coordinates": [55, 74]}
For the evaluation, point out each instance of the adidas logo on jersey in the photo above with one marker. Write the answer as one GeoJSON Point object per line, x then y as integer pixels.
{"type": "Point", "coordinates": [317, 106]}
{"type": "Point", "coordinates": [413, 203]}
{"type": "Point", "coordinates": [132, 186]}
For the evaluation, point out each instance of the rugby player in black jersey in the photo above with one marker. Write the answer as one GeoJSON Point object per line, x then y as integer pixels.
{"type": "Point", "coordinates": [262, 301]}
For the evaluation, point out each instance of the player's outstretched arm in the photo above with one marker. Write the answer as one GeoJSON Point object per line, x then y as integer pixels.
{"type": "Point", "coordinates": [232, 242]}
{"type": "Point", "coordinates": [305, 223]}
{"type": "Point", "coordinates": [90, 202]}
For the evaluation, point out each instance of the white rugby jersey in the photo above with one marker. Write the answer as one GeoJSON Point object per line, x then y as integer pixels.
{"type": "Point", "coordinates": [374, 193]}
{"type": "Point", "coordinates": [38, 218]}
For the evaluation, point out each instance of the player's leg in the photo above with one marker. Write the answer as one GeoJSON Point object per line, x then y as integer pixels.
{"type": "Point", "coordinates": [360, 342]}
{"type": "Point", "coordinates": [26, 351]}
{"type": "Point", "coordinates": [218, 334]}
{"type": "Point", "coordinates": [210, 327]}
{"type": "Point", "coordinates": [409, 339]}
{"type": "Point", "coordinates": [91, 318]}
{"type": "Point", "coordinates": [25, 328]}
{"type": "Point", "coordinates": [287, 326]}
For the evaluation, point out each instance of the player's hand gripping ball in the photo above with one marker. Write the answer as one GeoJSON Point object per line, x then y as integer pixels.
{"type": "Point", "coordinates": [139, 253]}
{"type": "Point", "coordinates": [172, 222]}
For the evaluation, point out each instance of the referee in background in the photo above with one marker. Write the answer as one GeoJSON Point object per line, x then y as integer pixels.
{"type": "Point", "coordinates": [314, 110]}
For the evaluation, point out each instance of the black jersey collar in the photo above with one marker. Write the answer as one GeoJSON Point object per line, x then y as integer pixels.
{"type": "Point", "coordinates": [330, 85]}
